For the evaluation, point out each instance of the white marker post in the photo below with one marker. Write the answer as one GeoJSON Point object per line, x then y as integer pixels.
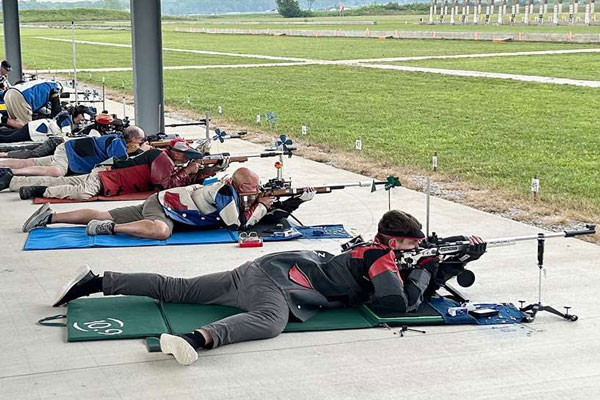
{"type": "Point", "coordinates": [358, 144]}
{"type": "Point", "coordinates": [258, 118]}
{"type": "Point", "coordinates": [535, 187]}
{"type": "Point", "coordinates": [434, 162]}
{"type": "Point", "coordinates": [103, 98]}
{"type": "Point", "coordinates": [207, 120]}
{"type": "Point", "coordinates": [220, 110]}
{"type": "Point", "coordinates": [304, 129]}
{"type": "Point", "coordinates": [74, 62]}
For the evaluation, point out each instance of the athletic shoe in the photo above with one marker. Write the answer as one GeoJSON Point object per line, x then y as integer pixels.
{"type": "Point", "coordinates": [183, 352]}
{"type": "Point", "coordinates": [96, 227]}
{"type": "Point", "coordinates": [38, 219]}
{"type": "Point", "coordinates": [29, 192]}
{"type": "Point", "coordinates": [5, 178]}
{"type": "Point", "coordinates": [81, 285]}
{"type": "Point", "coordinates": [4, 170]}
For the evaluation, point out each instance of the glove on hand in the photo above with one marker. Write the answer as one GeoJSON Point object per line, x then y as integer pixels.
{"type": "Point", "coordinates": [475, 250]}
{"type": "Point", "coordinates": [223, 164]}
{"type": "Point", "coordinates": [308, 194]}
{"type": "Point", "coordinates": [430, 264]}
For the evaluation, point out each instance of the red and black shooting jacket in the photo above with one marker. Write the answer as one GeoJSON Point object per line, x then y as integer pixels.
{"type": "Point", "coordinates": [314, 280]}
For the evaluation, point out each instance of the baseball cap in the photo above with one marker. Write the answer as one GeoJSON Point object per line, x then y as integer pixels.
{"type": "Point", "coordinates": [104, 119]}
{"type": "Point", "coordinates": [182, 146]}
{"type": "Point", "coordinates": [6, 65]}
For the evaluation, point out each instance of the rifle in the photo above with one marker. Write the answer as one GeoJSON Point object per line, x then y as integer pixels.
{"type": "Point", "coordinates": [161, 140]}
{"type": "Point", "coordinates": [435, 247]}
{"type": "Point", "coordinates": [280, 188]}
{"type": "Point", "coordinates": [212, 159]}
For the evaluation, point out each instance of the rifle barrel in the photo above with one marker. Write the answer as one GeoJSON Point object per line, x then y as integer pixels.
{"type": "Point", "coordinates": [283, 192]}
{"type": "Point", "coordinates": [507, 241]}
{"type": "Point", "coordinates": [201, 122]}
{"type": "Point", "coordinates": [215, 158]}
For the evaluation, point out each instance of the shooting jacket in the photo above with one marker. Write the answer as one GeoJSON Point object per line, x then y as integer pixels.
{"type": "Point", "coordinates": [84, 153]}
{"type": "Point", "coordinates": [153, 169]}
{"type": "Point", "coordinates": [313, 280]}
{"type": "Point", "coordinates": [206, 206]}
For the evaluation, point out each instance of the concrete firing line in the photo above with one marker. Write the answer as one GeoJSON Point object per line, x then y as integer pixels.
{"type": "Point", "coordinates": [365, 63]}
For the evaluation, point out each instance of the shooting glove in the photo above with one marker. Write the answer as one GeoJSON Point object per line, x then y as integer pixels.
{"type": "Point", "coordinates": [308, 194]}
{"type": "Point", "coordinates": [223, 164]}
{"type": "Point", "coordinates": [474, 252]}
{"type": "Point", "coordinates": [430, 264]}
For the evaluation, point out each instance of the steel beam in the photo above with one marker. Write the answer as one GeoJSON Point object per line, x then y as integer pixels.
{"type": "Point", "coordinates": [146, 39]}
{"type": "Point", "coordinates": [12, 39]}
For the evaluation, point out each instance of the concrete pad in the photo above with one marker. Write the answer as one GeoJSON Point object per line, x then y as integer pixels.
{"type": "Point", "coordinates": [549, 358]}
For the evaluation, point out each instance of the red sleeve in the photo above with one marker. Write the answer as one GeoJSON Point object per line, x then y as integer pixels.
{"type": "Point", "coordinates": [385, 263]}
{"type": "Point", "coordinates": [202, 175]}
{"type": "Point", "coordinates": [165, 174]}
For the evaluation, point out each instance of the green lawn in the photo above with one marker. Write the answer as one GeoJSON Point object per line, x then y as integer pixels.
{"type": "Point", "coordinates": [574, 66]}
{"type": "Point", "coordinates": [491, 132]}
{"type": "Point", "coordinates": [383, 23]}
{"type": "Point", "coordinates": [319, 48]}
{"type": "Point", "coordinates": [37, 56]}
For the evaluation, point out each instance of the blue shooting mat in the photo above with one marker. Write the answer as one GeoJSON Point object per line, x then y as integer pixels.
{"type": "Point", "coordinates": [507, 313]}
{"type": "Point", "coordinates": [76, 238]}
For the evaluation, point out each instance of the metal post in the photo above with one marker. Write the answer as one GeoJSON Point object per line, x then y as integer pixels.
{"type": "Point", "coordinates": [12, 39]}
{"type": "Point", "coordinates": [74, 62]}
{"type": "Point", "coordinates": [146, 38]}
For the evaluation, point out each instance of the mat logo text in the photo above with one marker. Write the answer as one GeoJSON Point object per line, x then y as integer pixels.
{"type": "Point", "coordinates": [108, 326]}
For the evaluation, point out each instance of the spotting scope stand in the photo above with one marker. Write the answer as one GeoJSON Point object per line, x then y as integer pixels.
{"type": "Point", "coordinates": [531, 310]}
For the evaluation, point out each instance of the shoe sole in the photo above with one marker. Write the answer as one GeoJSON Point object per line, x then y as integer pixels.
{"type": "Point", "coordinates": [83, 271]}
{"type": "Point", "coordinates": [43, 209]}
{"type": "Point", "coordinates": [183, 352]}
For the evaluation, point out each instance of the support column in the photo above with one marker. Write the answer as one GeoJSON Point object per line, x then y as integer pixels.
{"type": "Point", "coordinates": [146, 40]}
{"type": "Point", "coordinates": [12, 39]}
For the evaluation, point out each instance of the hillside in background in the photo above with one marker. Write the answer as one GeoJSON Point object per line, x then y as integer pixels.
{"type": "Point", "coordinates": [191, 7]}
{"type": "Point", "coordinates": [74, 14]}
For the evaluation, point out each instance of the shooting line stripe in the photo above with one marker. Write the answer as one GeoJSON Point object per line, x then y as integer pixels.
{"type": "Point", "coordinates": [215, 53]}
{"type": "Point", "coordinates": [480, 55]}
{"type": "Point", "coordinates": [478, 74]}
{"type": "Point", "coordinates": [177, 68]}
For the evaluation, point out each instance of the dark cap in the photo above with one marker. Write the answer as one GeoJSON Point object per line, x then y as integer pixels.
{"type": "Point", "coordinates": [6, 65]}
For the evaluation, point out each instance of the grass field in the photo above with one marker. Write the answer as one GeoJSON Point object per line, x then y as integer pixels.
{"type": "Point", "coordinates": [322, 48]}
{"type": "Point", "coordinates": [493, 133]}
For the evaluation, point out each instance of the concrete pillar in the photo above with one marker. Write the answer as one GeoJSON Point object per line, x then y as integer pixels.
{"type": "Point", "coordinates": [12, 39]}
{"type": "Point", "coordinates": [146, 39]}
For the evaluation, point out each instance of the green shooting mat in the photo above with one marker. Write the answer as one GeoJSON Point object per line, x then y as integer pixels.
{"type": "Point", "coordinates": [129, 317]}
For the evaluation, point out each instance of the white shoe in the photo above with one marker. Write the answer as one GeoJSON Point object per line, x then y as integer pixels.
{"type": "Point", "coordinates": [183, 352]}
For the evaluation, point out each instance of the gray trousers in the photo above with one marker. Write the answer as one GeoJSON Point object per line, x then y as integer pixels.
{"type": "Point", "coordinates": [246, 287]}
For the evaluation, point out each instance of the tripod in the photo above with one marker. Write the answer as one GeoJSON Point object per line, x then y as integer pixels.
{"type": "Point", "coordinates": [531, 310]}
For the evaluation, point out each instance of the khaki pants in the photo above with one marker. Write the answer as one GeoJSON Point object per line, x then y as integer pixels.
{"type": "Point", "coordinates": [58, 159]}
{"type": "Point", "coordinates": [17, 107]}
{"type": "Point", "coordinates": [80, 187]}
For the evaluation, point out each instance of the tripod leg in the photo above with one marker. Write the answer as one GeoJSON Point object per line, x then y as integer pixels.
{"type": "Point", "coordinates": [554, 311]}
